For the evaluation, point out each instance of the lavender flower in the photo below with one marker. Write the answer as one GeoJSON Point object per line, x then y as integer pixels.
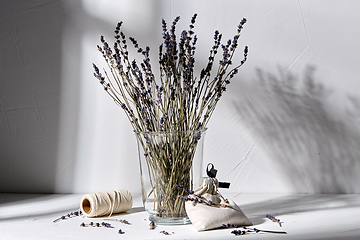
{"type": "Point", "coordinates": [152, 225]}
{"type": "Point", "coordinates": [238, 232]}
{"type": "Point", "coordinates": [92, 224]}
{"type": "Point", "coordinates": [164, 232]}
{"type": "Point", "coordinates": [69, 215]}
{"type": "Point", "coordinates": [272, 218]}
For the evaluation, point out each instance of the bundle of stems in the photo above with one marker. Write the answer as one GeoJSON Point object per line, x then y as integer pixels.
{"type": "Point", "coordinates": [168, 113]}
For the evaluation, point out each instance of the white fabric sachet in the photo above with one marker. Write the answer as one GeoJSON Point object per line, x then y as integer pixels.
{"type": "Point", "coordinates": [207, 208]}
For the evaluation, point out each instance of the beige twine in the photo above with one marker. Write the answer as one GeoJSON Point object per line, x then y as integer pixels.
{"type": "Point", "coordinates": [105, 203]}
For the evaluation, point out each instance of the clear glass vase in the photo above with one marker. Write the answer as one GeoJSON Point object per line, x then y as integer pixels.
{"type": "Point", "coordinates": [168, 159]}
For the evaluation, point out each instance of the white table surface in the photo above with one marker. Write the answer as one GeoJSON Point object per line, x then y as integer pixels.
{"type": "Point", "coordinates": [320, 216]}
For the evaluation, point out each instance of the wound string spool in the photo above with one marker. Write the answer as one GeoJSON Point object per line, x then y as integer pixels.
{"type": "Point", "coordinates": [105, 203]}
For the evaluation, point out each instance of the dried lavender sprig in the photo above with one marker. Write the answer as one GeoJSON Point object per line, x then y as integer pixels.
{"type": "Point", "coordinates": [217, 84]}
{"type": "Point", "coordinates": [206, 115]}
{"type": "Point", "coordinates": [239, 232]}
{"type": "Point", "coordinates": [272, 218]}
{"type": "Point", "coordinates": [174, 78]}
{"type": "Point", "coordinates": [69, 215]}
{"type": "Point", "coordinates": [220, 88]}
{"type": "Point", "coordinates": [254, 230]}
{"type": "Point", "coordinates": [229, 225]}
{"type": "Point", "coordinates": [152, 225]}
{"type": "Point", "coordinates": [248, 230]}
{"type": "Point", "coordinates": [165, 232]}
{"type": "Point", "coordinates": [97, 224]}
{"type": "Point", "coordinates": [200, 199]}
{"type": "Point", "coordinates": [197, 198]}
{"type": "Point", "coordinates": [126, 76]}
{"type": "Point", "coordinates": [133, 119]}
{"type": "Point", "coordinates": [124, 221]}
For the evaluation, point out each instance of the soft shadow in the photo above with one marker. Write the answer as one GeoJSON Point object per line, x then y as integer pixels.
{"type": "Point", "coordinates": [136, 210]}
{"type": "Point", "coordinates": [35, 217]}
{"type": "Point", "coordinates": [35, 206]}
{"type": "Point", "coordinates": [40, 122]}
{"type": "Point", "coordinates": [31, 68]}
{"type": "Point", "coordinates": [319, 153]}
{"type": "Point", "coordinates": [131, 211]}
{"type": "Point", "coordinates": [300, 203]}
{"type": "Point", "coordinates": [14, 198]}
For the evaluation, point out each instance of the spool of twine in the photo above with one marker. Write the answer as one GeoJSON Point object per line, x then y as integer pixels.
{"type": "Point", "coordinates": [105, 203]}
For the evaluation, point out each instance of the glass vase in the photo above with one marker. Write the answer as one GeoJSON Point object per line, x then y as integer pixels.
{"type": "Point", "coordinates": [170, 165]}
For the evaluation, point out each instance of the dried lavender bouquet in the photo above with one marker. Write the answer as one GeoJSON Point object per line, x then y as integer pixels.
{"type": "Point", "coordinates": [176, 103]}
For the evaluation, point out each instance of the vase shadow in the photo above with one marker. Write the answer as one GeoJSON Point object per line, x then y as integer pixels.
{"type": "Point", "coordinates": [135, 210]}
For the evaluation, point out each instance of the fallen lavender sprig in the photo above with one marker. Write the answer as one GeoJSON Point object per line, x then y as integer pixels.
{"type": "Point", "coordinates": [239, 232]}
{"type": "Point", "coordinates": [92, 224]}
{"type": "Point", "coordinates": [200, 199]}
{"type": "Point", "coordinates": [69, 215]}
{"type": "Point", "coordinates": [152, 225]}
{"type": "Point", "coordinates": [165, 232]}
{"type": "Point", "coordinates": [272, 218]}
{"type": "Point", "coordinates": [253, 230]}
{"type": "Point", "coordinates": [124, 221]}
{"type": "Point", "coordinates": [197, 198]}
{"type": "Point", "coordinates": [229, 225]}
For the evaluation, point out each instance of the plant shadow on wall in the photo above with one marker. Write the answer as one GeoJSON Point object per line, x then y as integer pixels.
{"type": "Point", "coordinates": [318, 152]}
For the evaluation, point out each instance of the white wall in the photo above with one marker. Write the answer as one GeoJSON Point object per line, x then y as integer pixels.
{"type": "Point", "coordinates": [289, 123]}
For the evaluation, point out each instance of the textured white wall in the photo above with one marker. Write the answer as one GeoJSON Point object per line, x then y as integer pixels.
{"type": "Point", "coordinates": [288, 123]}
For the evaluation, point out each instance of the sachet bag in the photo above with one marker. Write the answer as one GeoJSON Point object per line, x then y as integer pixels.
{"type": "Point", "coordinates": [208, 209]}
